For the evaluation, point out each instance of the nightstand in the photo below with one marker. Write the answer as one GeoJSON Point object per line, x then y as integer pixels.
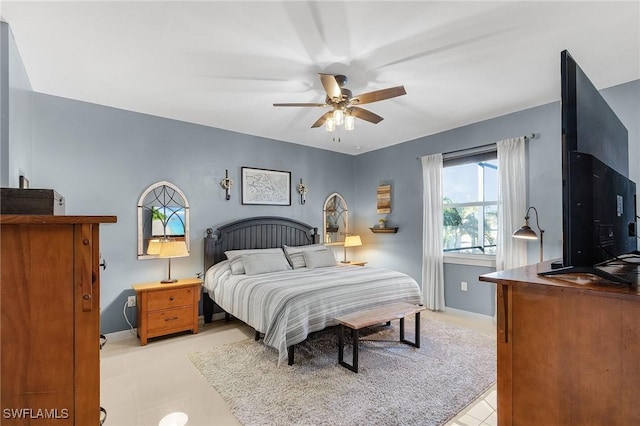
{"type": "Point", "coordinates": [167, 308]}
{"type": "Point", "coordinates": [356, 262]}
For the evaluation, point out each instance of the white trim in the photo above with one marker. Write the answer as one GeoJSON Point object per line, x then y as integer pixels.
{"type": "Point", "coordinates": [485, 260]}
{"type": "Point", "coordinates": [467, 314]}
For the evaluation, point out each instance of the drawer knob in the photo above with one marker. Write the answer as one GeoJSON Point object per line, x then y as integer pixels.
{"type": "Point", "coordinates": [171, 298]}
{"type": "Point", "coordinates": [171, 319]}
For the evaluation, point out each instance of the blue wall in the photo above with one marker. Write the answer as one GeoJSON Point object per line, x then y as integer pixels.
{"type": "Point", "coordinates": [101, 159]}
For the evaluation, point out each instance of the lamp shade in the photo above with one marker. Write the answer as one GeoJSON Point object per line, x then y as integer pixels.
{"type": "Point", "coordinates": [154, 247]}
{"type": "Point", "coordinates": [352, 241]}
{"type": "Point", "coordinates": [173, 249]}
{"type": "Point", "coordinates": [526, 233]}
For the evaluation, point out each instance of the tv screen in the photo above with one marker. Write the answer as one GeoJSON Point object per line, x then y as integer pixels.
{"type": "Point", "coordinates": [598, 199]}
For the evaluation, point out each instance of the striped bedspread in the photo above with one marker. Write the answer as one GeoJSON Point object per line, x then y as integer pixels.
{"type": "Point", "coordinates": [287, 306]}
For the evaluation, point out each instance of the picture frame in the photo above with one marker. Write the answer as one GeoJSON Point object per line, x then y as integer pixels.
{"type": "Point", "coordinates": [266, 187]}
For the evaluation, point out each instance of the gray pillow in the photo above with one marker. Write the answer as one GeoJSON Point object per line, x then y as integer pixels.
{"type": "Point", "coordinates": [319, 258]}
{"type": "Point", "coordinates": [294, 254]}
{"type": "Point", "coordinates": [235, 258]}
{"type": "Point", "coordinates": [262, 263]}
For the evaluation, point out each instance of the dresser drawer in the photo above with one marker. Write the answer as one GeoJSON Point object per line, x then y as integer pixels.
{"type": "Point", "coordinates": [170, 321]}
{"type": "Point", "coordinates": [170, 298]}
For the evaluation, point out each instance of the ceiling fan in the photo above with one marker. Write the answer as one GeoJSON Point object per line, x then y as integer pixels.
{"type": "Point", "coordinates": [344, 104]}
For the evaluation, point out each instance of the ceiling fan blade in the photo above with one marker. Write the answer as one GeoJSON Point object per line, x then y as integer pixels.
{"type": "Point", "coordinates": [378, 95]}
{"type": "Point", "coordinates": [331, 86]}
{"type": "Point", "coordinates": [322, 119]}
{"type": "Point", "coordinates": [303, 104]}
{"type": "Point", "coordinates": [365, 115]}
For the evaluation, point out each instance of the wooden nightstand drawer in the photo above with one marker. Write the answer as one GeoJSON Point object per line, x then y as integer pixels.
{"type": "Point", "coordinates": [169, 321]}
{"type": "Point", "coordinates": [167, 308]}
{"type": "Point", "coordinates": [170, 298]}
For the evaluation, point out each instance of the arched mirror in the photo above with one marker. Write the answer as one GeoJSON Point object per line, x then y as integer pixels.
{"type": "Point", "coordinates": [163, 212]}
{"type": "Point", "coordinates": [336, 219]}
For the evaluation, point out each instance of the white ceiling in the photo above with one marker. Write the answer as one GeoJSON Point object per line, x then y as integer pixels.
{"type": "Point", "coordinates": [224, 64]}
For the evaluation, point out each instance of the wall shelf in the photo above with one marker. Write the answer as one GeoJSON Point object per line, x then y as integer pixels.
{"type": "Point", "coordinates": [384, 230]}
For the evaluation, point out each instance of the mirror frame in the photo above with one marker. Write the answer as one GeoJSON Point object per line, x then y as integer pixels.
{"type": "Point", "coordinates": [345, 212]}
{"type": "Point", "coordinates": [142, 206]}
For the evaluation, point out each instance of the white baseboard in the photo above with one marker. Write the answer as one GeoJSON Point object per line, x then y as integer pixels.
{"type": "Point", "coordinates": [467, 314]}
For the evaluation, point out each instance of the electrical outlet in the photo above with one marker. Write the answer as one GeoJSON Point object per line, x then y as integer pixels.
{"type": "Point", "coordinates": [131, 301]}
{"type": "Point", "coordinates": [463, 285]}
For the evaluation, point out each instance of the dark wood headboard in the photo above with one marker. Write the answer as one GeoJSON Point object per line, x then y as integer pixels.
{"type": "Point", "coordinates": [254, 233]}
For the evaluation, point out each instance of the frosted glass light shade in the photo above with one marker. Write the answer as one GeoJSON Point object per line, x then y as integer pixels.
{"type": "Point", "coordinates": [330, 125]}
{"type": "Point", "coordinates": [338, 116]}
{"type": "Point", "coordinates": [349, 122]}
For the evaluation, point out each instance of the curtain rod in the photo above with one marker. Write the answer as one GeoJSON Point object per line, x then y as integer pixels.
{"type": "Point", "coordinates": [478, 149]}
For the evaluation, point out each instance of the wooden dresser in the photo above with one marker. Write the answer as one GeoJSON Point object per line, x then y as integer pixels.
{"type": "Point", "coordinates": [167, 308]}
{"type": "Point", "coordinates": [568, 348]}
{"type": "Point", "coordinates": [50, 321]}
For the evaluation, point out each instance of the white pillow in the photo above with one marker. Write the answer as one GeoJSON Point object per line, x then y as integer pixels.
{"type": "Point", "coordinates": [294, 254]}
{"type": "Point", "coordinates": [261, 263]}
{"type": "Point", "coordinates": [235, 258]}
{"type": "Point", "coordinates": [319, 258]}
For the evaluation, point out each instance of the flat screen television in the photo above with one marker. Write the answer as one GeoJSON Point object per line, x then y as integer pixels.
{"type": "Point", "coordinates": [598, 199]}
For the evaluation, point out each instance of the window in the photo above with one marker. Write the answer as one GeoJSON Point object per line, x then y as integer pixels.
{"type": "Point", "coordinates": [470, 191]}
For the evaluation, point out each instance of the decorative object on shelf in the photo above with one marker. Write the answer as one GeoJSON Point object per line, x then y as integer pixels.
{"type": "Point", "coordinates": [268, 187]}
{"type": "Point", "coordinates": [351, 241]}
{"type": "Point", "coordinates": [384, 199]}
{"type": "Point", "coordinates": [382, 223]}
{"type": "Point", "coordinates": [167, 248]}
{"type": "Point", "coordinates": [377, 230]}
{"type": "Point", "coordinates": [227, 183]}
{"type": "Point", "coordinates": [302, 190]}
{"type": "Point", "coordinates": [24, 182]}
{"type": "Point", "coordinates": [526, 233]}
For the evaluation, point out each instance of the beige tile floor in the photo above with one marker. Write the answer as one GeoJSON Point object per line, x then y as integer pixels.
{"type": "Point", "coordinates": [142, 384]}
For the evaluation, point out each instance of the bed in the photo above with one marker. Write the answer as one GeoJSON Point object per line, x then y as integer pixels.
{"type": "Point", "coordinates": [285, 303]}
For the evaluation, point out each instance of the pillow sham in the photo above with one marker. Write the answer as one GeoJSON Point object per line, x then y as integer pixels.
{"type": "Point", "coordinates": [262, 263]}
{"type": "Point", "coordinates": [294, 254]}
{"type": "Point", "coordinates": [235, 258]}
{"type": "Point", "coordinates": [319, 258]}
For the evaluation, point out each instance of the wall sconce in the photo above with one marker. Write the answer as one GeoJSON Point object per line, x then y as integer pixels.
{"type": "Point", "coordinates": [526, 233]}
{"type": "Point", "coordinates": [302, 190]}
{"type": "Point", "coordinates": [227, 183]}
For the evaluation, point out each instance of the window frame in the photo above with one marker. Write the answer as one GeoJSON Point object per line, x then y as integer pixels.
{"type": "Point", "coordinates": [470, 157]}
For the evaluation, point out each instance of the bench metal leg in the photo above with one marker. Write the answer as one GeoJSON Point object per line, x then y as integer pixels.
{"type": "Point", "coordinates": [354, 341]}
{"type": "Point", "coordinates": [290, 354]}
{"type": "Point", "coordinates": [416, 343]}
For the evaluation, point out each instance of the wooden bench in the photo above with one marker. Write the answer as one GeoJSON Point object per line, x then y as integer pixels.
{"type": "Point", "coordinates": [386, 313]}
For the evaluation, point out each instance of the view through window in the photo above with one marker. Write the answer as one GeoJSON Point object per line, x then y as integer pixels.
{"type": "Point", "coordinates": [470, 193]}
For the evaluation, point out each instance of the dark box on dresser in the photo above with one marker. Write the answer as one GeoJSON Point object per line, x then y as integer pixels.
{"type": "Point", "coordinates": [31, 201]}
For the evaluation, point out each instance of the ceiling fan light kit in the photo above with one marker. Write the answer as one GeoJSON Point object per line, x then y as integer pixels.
{"type": "Point", "coordinates": [340, 99]}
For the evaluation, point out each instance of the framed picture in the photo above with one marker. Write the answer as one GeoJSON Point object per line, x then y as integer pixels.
{"type": "Point", "coordinates": [269, 187]}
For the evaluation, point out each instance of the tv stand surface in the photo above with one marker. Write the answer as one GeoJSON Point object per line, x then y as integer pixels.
{"type": "Point", "coordinates": [568, 343]}
{"type": "Point", "coordinates": [585, 270]}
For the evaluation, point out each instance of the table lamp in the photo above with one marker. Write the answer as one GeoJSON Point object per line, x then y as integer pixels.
{"type": "Point", "coordinates": [351, 241]}
{"type": "Point", "coordinates": [168, 249]}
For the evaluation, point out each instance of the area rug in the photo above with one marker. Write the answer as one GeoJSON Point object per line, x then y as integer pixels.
{"type": "Point", "coordinates": [396, 384]}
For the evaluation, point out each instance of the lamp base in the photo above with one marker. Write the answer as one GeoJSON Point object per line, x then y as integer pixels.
{"type": "Point", "coordinates": [169, 281]}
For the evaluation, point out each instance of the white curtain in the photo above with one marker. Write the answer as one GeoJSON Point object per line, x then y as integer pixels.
{"type": "Point", "coordinates": [512, 199]}
{"type": "Point", "coordinates": [432, 223]}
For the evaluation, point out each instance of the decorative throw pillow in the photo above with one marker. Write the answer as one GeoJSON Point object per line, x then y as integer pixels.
{"type": "Point", "coordinates": [294, 254]}
{"type": "Point", "coordinates": [319, 258]}
{"type": "Point", "coordinates": [235, 258]}
{"type": "Point", "coordinates": [262, 263]}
